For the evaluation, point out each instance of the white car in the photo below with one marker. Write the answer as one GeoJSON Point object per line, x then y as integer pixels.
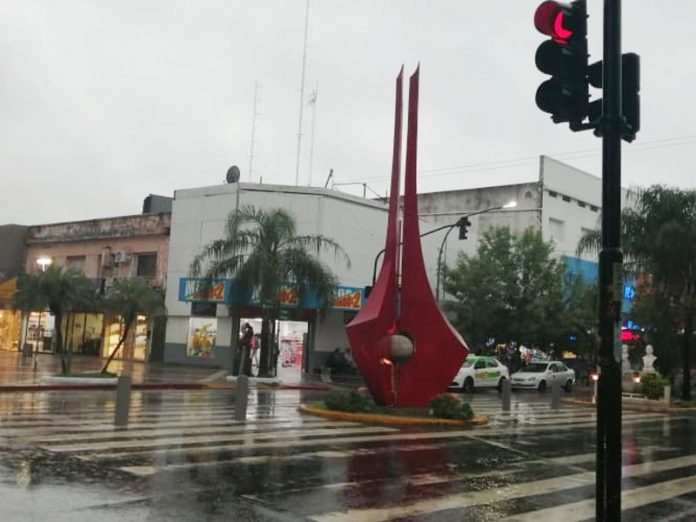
{"type": "Point", "coordinates": [539, 375]}
{"type": "Point", "coordinates": [480, 371]}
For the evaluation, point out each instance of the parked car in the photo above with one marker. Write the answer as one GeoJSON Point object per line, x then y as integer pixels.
{"type": "Point", "coordinates": [539, 375]}
{"type": "Point", "coordinates": [480, 371]}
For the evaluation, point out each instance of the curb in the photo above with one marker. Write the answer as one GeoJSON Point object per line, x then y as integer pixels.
{"type": "Point", "coordinates": [393, 420]}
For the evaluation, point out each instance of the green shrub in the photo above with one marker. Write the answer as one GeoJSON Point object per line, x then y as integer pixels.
{"type": "Point", "coordinates": [447, 406]}
{"type": "Point", "coordinates": [351, 402]}
{"type": "Point", "coordinates": [652, 385]}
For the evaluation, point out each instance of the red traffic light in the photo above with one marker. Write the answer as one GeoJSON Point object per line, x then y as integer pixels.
{"type": "Point", "coordinates": [549, 20]}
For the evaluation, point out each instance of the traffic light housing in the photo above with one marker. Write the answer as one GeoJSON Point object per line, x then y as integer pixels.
{"type": "Point", "coordinates": [630, 94]}
{"type": "Point", "coordinates": [564, 57]}
{"type": "Point", "coordinates": [464, 225]}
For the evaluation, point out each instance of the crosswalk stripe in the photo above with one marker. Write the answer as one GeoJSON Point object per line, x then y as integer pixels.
{"type": "Point", "coordinates": [144, 443]}
{"type": "Point", "coordinates": [510, 492]}
{"type": "Point", "coordinates": [389, 437]}
{"type": "Point", "coordinates": [630, 499]}
{"type": "Point", "coordinates": [228, 426]}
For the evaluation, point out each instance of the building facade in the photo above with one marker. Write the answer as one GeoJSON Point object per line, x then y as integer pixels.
{"type": "Point", "coordinates": [200, 329]}
{"type": "Point", "coordinates": [103, 250]}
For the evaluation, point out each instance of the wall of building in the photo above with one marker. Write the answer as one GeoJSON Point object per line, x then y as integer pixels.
{"type": "Point", "coordinates": [572, 203]}
{"type": "Point", "coordinates": [12, 238]}
{"type": "Point", "coordinates": [100, 242]}
{"type": "Point", "coordinates": [198, 217]}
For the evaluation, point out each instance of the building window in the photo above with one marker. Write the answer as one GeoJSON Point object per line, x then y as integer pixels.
{"type": "Point", "coordinates": [593, 208]}
{"type": "Point", "coordinates": [566, 198]}
{"type": "Point", "coordinates": [147, 265]}
{"type": "Point", "coordinates": [76, 263]}
{"type": "Point", "coordinates": [553, 194]}
{"type": "Point", "coordinates": [557, 229]}
{"type": "Point", "coordinates": [581, 204]}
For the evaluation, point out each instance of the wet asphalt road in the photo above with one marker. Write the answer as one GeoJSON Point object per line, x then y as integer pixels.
{"type": "Point", "coordinates": [184, 458]}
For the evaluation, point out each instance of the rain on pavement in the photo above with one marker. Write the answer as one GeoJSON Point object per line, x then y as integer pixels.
{"type": "Point", "coordinates": [183, 457]}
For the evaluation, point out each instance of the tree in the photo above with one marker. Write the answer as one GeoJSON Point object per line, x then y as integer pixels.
{"type": "Point", "coordinates": [515, 290]}
{"type": "Point", "coordinates": [659, 240]}
{"type": "Point", "coordinates": [262, 252]}
{"type": "Point", "coordinates": [127, 299]}
{"type": "Point", "coordinates": [63, 291]}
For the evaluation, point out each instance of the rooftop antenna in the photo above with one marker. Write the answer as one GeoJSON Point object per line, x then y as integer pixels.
{"type": "Point", "coordinates": [328, 178]}
{"type": "Point", "coordinates": [302, 86]}
{"type": "Point", "coordinates": [253, 133]}
{"type": "Point", "coordinates": [313, 103]}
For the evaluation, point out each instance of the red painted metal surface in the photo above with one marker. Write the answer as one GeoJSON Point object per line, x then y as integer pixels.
{"type": "Point", "coordinates": [408, 309]}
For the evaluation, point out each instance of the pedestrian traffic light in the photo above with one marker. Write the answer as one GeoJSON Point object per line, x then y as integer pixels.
{"type": "Point", "coordinates": [564, 57]}
{"type": "Point", "coordinates": [463, 225]}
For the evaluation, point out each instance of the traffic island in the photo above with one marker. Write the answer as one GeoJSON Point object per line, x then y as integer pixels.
{"type": "Point", "coordinates": [393, 417]}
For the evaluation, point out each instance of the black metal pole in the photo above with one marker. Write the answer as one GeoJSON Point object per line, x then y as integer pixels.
{"type": "Point", "coordinates": [439, 260]}
{"type": "Point", "coordinates": [608, 478]}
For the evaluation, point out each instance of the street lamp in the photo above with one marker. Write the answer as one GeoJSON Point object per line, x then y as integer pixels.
{"type": "Point", "coordinates": [44, 262]}
{"type": "Point", "coordinates": [458, 223]}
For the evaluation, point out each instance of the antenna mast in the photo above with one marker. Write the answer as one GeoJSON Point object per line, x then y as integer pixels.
{"type": "Point", "coordinates": [313, 103]}
{"type": "Point", "coordinates": [302, 86]}
{"type": "Point", "coordinates": [253, 133]}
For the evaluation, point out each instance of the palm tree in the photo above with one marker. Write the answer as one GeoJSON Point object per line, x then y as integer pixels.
{"type": "Point", "coordinates": [262, 252]}
{"type": "Point", "coordinates": [659, 239]}
{"type": "Point", "coordinates": [127, 299]}
{"type": "Point", "coordinates": [63, 291]}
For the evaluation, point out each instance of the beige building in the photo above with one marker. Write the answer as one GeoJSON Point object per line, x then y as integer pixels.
{"type": "Point", "coordinates": [103, 250]}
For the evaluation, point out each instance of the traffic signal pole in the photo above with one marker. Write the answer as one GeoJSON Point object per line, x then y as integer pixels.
{"type": "Point", "coordinates": [608, 473]}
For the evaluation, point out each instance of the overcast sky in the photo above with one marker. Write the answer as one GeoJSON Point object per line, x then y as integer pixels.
{"type": "Point", "coordinates": [103, 102]}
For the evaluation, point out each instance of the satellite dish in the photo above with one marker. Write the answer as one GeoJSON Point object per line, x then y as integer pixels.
{"type": "Point", "coordinates": [232, 174]}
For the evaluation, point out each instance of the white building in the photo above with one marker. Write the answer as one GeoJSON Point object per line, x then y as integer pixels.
{"type": "Point", "coordinates": [201, 334]}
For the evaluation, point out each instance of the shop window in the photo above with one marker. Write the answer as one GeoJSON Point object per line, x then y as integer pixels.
{"type": "Point", "coordinates": [147, 265]}
{"type": "Point", "coordinates": [76, 263]}
{"type": "Point", "coordinates": [203, 309]}
{"type": "Point", "coordinates": [202, 337]}
{"type": "Point", "coordinates": [202, 331]}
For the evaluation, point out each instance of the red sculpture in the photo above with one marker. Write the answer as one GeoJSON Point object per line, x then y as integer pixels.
{"type": "Point", "coordinates": [403, 345]}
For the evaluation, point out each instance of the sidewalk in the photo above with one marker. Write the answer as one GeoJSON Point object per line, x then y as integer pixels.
{"type": "Point", "coordinates": [16, 371]}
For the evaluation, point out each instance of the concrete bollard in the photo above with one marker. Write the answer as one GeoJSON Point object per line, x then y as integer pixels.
{"type": "Point", "coordinates": [241, 398]}
{"type": "Point", "coordinates": [123, 391]}
{"type": "Point", "coordinates": [555, 394]}
{"type": "Point", "coordinates": [507, 392]}
{"type": "Point", "coordinates": [668, 395]}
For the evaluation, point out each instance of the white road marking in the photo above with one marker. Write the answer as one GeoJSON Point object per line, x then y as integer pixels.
{"type": "Point", "coordinates": [512, 491]}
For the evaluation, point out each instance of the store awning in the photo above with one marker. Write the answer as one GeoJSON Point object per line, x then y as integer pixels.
{"type": "Point", "coordinates": [7, 291]}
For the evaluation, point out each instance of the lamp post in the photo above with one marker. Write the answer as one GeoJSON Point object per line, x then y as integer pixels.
{"type": "Point", "coordinates": [510, 204]}
{"type": "Point", "coordinates": [459, 222]}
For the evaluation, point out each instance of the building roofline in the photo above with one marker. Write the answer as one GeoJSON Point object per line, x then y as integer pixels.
{"type": "Point", "coordinates": [214, 190]}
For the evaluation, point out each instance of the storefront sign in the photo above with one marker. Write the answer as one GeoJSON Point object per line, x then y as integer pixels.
{"type": "Point", "coordinates": [348, 298]}
{"type": "Point", "coordinates": [192, 289]}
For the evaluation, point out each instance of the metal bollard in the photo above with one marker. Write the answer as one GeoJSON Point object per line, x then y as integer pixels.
{"type": "Point", "coordinates": [555, 394]}
{"type": "Point", "coordinates": [507, 392]}
{"type": "Point", "coordinates": [241, 398]}
{"type": "Point", "coordinates": [667, 397]}
{"type": "Point", "coordinates": [123, 390]}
